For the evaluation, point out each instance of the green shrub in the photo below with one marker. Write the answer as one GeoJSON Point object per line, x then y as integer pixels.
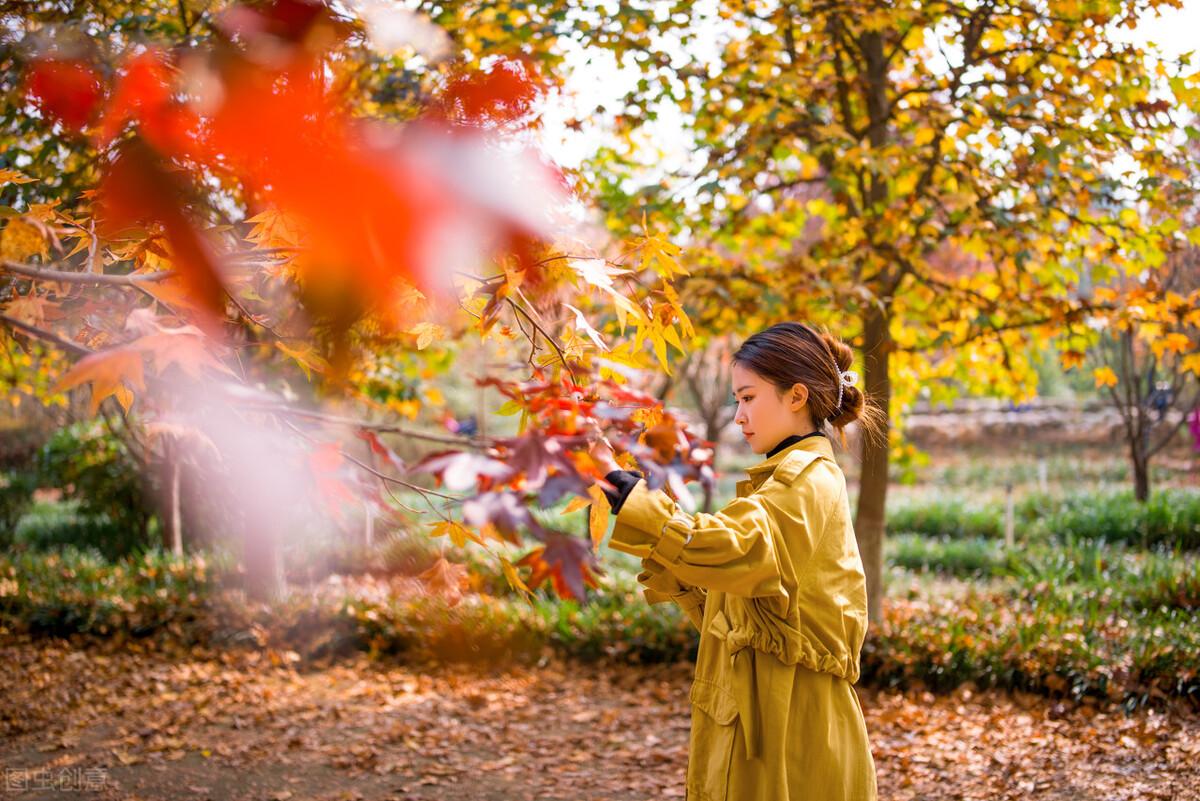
{"type": "Point", "coordinates": [47, 526]}
{"type": "Point", "coordinates": [93, 468]}
{"type": "Point", "coordinates": [16, 496]}
{"type": "Point", "coordinates": [79, 591]}
{"type": "Point", "coordinates": [1060, 644]}
{"type": "Point", "coordinates": [947, 518]}
{"type": "Point", "coordinates": [1099, 620]}
{"type": "Point", "coordinates": [959, 557]}
{"type": "Point", "coordinates": [1171, 583]}
{"type": "Point", "coordinates": [1169, 517]}
{"type": "Point", "coordinates": [477, 629]}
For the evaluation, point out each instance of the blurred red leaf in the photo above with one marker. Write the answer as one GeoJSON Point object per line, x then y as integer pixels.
{"type": "Point", "coordinates": [67, 90]}
{"type": "Point", "coordinates": [504, 91]}
{"type": "Point", "coordinates": [137, 190]}
{"type": "Point", "coordinates": [387, 208]}
{"type": "Point", "coordinates": [144, 94]}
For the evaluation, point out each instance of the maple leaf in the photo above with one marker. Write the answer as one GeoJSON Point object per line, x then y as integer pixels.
{"type": "Point", "coordinates": [460, 471]}
{"type": "Point", "coordinates": [596, 272]}
{"type": "Point", "coordinates": [14, 176]}
{"type": "Point", "coordinates": [114, 372]}
{"type": "Point", "coordinates": [378, 448]}
{"type": "Point", "coordinates": [20, 241]}
{"type": "Point", "coordinates": [583, 325]}
{"type": "Point", "coordinates": [325, 463]}
{"type": "Point", "coordinates": [29, 309]}
{"type": "Point", "coordinates": [567, 562]}
{"type": "Point", "coordinates": [306, 356]}
{"type": "Point", "coordinates": [446, 579]}
{"type": "Point", "coordinates": [598, 515]}
{"type": "Point", "coordinates": [1072, 358]}
{"type": "Point", "coordinates": [182, 347]}
{"type": "Point", "coordinates": [1105, 377]}
{"type": "Point", "coordinates": [136, 189]}
{"type": "Point", "coordinates": [458, 533]}
{"type": "Point", "coordinates": [503, 510]}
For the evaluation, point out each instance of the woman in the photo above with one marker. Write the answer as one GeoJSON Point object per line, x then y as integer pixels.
{"type": "Point", "coordinates": [773, 581]}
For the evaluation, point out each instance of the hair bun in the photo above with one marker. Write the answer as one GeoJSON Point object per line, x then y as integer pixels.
{"type": "Point", "coordinates": [843, 354]}
{"type": "Point", "coordinates": [853, 399]}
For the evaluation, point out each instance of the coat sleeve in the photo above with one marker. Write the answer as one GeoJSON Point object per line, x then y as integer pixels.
{"type": "Point", "coordinates": [661, 586]}
{"type": "Point", "coordinates": [732, 551]}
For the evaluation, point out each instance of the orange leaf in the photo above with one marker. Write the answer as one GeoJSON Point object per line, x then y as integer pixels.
{"type": "Point", "coordinates": [112, 372]}
{"type": "Point", "coordinates": [447, 579]}
{"type": "Point", "coordinates": [1105, 377]}
{"type": "Point", "coordinates": [183, 347]}
{"type": "Point", "coordinates": [598, 515]}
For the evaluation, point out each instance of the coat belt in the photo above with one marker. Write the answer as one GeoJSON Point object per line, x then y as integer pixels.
{"type": "Point", "coordinates": [745, 688]}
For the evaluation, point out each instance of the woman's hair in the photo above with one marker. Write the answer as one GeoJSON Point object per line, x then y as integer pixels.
{"type": "Point", "coordinates": [796, 353]}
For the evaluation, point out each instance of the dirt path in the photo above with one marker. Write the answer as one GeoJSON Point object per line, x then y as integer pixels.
{"type": "Point", "coordinates": [201, 725]}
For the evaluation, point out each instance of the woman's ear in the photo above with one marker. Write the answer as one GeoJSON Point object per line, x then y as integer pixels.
{"type": "Point", "coordinates": [799, 397]}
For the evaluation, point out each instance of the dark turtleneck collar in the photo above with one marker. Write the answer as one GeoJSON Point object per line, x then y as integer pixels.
{"type": "Point", "coordinates": [792, 440]}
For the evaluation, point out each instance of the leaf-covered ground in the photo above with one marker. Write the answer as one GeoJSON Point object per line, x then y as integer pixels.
{"type": "Point", "coordinates": [248, 725]}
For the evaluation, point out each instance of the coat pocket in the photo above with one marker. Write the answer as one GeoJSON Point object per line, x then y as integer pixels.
{"type": "Point", "coordinates": [714, 735]}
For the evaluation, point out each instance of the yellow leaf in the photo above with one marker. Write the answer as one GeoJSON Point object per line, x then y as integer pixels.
{"type": "Point", "coordinates": [306, 356]}
{"type": "Point", "coordinates": [1105, 377]}
{"type": "Point", "coordinates": [19, 241]}
{"type": "Point", "coordinates": [626, 307]}
{"type": "Point", "coordinates": [660, 348]}
{"type": "Point", "coordinates": [598, 515]}
{"type": "Point", "coordinates": [426, 334]}
{"type": "Point", "coordinates": [923, 136]}
{"type": "Point", "coordinates": [459, 534]}
{"type": "Point", "coordinates": [1176, 342]}
{"type": "Point", "coordinates": [514, 578]}
{"type": "Point", "coordinates": [14, 176]}
{"type": "Point", "coordinates": [408, 408]}
{"type": "Point", "coordinates": [509, 408]}
{"type": "Point", "coordinates": [575, 505]}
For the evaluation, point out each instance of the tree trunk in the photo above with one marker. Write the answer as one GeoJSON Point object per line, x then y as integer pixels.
{"type": "Point", "coordinates": [1141, 468]}
{"type": "Point", "coordinates": [263, 559]}
{"type": "Point", "coordinates": [870, 519]}
{"type": "Point", "coordinates": [174, 517]}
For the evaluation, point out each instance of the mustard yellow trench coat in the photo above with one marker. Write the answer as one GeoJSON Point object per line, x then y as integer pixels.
{"type": "Point", "coordinates": [775, 584]}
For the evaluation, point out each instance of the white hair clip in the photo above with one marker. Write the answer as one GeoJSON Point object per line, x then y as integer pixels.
{"type": "Point", "coordinates": [846, 379]}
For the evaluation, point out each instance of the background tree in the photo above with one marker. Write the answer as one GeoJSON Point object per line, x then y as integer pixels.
{"type": "Point", "coordinates": [1146, 360]}
{"type": "Point", "coordinates": [996, 129]}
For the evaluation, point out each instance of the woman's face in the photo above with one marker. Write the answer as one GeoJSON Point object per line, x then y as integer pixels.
{"type": "Point", "coordinates": [764, 417]}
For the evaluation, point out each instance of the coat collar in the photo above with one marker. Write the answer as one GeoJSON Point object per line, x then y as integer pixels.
{"type": "Point", "coordinates": [760, 472]}
{"type": "Point", "coordinates": [820, 445]}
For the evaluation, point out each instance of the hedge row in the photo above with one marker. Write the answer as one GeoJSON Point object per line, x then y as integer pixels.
{"type": "Point", "coordinates": [1170, 517]}
{"type": "Point", "coordinates": [1134, 646]}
